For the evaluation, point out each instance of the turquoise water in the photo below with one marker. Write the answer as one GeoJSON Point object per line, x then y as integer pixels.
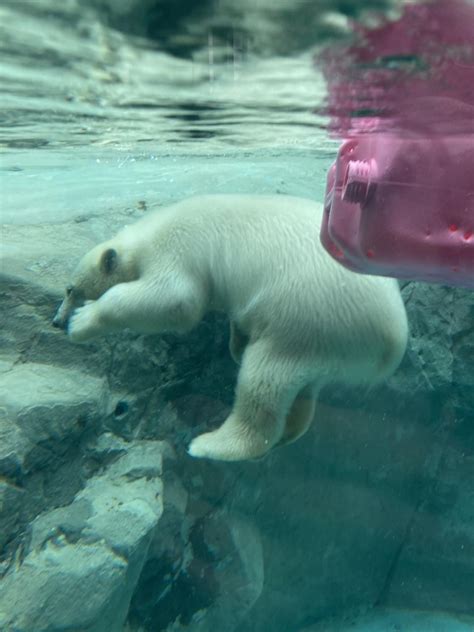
{"type": "Point", "coordinates": [59, 185]}
{"type": "Point", "coordinates": [113, 109]}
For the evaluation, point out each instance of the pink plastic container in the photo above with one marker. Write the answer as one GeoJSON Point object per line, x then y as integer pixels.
{"type": "Point", "coordinates": [401, 203]}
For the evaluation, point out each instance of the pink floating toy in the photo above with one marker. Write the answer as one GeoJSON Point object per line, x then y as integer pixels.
{"type": "Point", "coordinates": [400, 196]}
{"type": "Point", "coordinates": [401, 204]}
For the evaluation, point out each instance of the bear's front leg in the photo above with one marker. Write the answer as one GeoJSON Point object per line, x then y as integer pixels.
{"type": "Point", "coordinates": [144, 306]}
{"type": "Point", "coordinates": [113, 311]}
{"type": "Point", "coordinates": [85, 323]}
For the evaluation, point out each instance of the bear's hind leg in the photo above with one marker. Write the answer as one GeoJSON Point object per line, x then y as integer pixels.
{"type": "Point", "coordinates": [265, 389]}
{"type": "Point", "coordinates": [300, 416]}
{"type": "Point", "coordinates": [237, 343]}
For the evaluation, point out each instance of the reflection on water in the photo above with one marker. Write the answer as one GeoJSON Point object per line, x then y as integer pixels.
{"type": "Point", "coordinates": [71, 80]}
{"type": "Point", "coordinates": [403, 93]}
{"type": "Point", "coordinates": [213, 74]}
{"type": "Point", "coordinates": [415, 73]}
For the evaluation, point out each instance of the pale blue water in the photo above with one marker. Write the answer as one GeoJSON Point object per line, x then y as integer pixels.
{"type": "Point", "coordinates": [59, 185]}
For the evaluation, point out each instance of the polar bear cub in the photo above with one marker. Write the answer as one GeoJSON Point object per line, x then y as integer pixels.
{"type": "Point", "coordinates": [298, 319]}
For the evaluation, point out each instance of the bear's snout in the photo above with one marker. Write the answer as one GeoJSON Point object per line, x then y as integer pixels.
{"type": "Point", "coordinates": [61, 317]}
{"type": "Point", "coordinates": [58, 322]}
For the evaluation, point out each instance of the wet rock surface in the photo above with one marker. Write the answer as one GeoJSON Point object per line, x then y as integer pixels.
{"type": "Point", "coordinates": [107, 524]}
{"type": "Point", "coordinates": [81, 561]}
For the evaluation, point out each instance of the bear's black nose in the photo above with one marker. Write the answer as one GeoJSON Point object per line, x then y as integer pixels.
{"type": "Point", "coordinates": [58, 323]}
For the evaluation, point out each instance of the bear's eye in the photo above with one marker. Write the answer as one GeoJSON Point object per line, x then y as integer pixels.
{"type": "Point", "coordinates": [69, 290]}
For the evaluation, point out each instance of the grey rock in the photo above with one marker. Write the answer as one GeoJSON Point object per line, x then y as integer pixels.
{"type": "Point", "coordinates": [65, 587]}
{"type": "Point", "coordinates": [435, 565]}
{"type": "Point", "coordinates": [63, 523]}
{"type": "Point", "coordinates": [11, 502]}
{"type": "Point", "coordinates": [44, 409]}
{"type": "Point", "coordinates": [239, 572]}
{"type": "Point", "coordinates": [142, 460]}
{"type": "Point", "coordinates": [156, 591]}
{"type": "Point", "coordinates": [108, 446]}
{"type": "Point", "coordinates": [172, 537]}
{"type": "Point", "coordinates": [215, 582]}
{"type": "Point", "coordinates": [441, 336]}
{"type": "Point", "coordinates": [83, 561]}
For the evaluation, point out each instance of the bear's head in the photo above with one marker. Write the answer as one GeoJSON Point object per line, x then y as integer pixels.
{"type": "Point", "coordinates": [100, 269]}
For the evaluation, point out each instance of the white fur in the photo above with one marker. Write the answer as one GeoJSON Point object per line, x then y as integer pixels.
{"type": "Point", "coordinates": [299, 320]}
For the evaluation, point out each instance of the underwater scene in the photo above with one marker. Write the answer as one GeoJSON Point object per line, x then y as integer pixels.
{"type": "Point", "coordinates": [237, 316]}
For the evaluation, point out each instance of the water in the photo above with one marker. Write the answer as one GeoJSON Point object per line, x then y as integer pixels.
{"type": "Point", "coordinates": [69, 80]}
{"type": "Point", "coordinates": [110, 109]}
{"type": "Point", "coordinates": [121, 121]}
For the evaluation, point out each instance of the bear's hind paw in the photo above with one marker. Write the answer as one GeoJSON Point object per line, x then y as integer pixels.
{"type": "Point", "coordinates": [212, 446]}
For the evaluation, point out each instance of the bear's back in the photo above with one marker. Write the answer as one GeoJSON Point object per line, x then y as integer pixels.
{"type": "Point", "coordinates": [273, 276]}
{"type": "Point", "coordinates": [263, 261]}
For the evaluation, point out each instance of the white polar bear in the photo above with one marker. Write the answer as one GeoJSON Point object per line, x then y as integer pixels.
{"type": "Point", "coordinates": [299, 320]}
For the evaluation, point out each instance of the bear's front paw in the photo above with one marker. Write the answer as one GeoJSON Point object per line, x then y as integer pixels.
{"type": "Point", "coordinates": [84, 323]}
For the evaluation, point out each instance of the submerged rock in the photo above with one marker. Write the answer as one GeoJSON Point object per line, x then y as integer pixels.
{"type": "Point", "coordinates": [83, 561]}
{"type": "Point", "coordinates": [44, 410]}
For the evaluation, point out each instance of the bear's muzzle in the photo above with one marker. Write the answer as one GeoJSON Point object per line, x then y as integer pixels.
{"type": "Point", "coordinates": [63, 313]}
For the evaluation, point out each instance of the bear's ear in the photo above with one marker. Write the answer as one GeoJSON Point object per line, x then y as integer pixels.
{"type": "Point", "coordinates": [108, 260]}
